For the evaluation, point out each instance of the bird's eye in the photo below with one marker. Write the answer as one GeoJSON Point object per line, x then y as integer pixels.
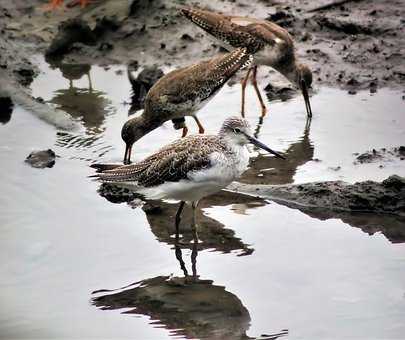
{"type": "Point", "coordinates": [236, 130]}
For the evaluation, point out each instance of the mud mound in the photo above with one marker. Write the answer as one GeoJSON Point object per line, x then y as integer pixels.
{"type": "Point", "coordinates": [368, 196]}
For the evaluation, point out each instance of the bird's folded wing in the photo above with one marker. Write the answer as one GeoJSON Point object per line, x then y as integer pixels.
{"type": "Point", "coordinates": [222, 28]}
{"type": "Point", "coordinates": [170, 164]}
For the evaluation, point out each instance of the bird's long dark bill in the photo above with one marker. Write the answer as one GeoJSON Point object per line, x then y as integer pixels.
{"type": "Point", "coordinates": [306, 98]}
{"type": "Point", "coordinates": [127, 156]}
{"type": "Point", "coordinates": [259, 144]}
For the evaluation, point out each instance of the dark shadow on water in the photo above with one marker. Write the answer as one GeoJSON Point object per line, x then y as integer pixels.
{"type": "Point", "coordinates": [266, 169]}
{"type": "Point", "coordinates": [6, 109]}
{"type": "Point", "coordinates": [212, 234]}
{"type": "Point", "coordinates": [186, 306]}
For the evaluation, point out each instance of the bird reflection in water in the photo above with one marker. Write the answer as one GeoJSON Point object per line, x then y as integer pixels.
{"type": "Point", "coordinates": [271, 170]}
{"type": "Point", "coordinates": [212, 234]}
{"type": "Point", "coordinates": [187, 306]}
{"type": "Point", "coordinates": [87, 105]}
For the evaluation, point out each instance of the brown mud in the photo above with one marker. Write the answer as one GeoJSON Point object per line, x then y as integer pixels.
{"type": "Point", "coordinates": [356, 45]}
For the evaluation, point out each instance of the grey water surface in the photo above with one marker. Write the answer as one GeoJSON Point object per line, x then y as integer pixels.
{"type": "Point", "coordinates": [74, 265]}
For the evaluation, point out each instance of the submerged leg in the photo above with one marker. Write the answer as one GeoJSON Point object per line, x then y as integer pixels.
{"type": "Point", "coordinates": [194, 254]}
{"type": "Point", "coordinates": [244, 83]}
{"type": "Point", "coordinates": [254, 83]}
{"type": "Point", "coordinates": [178, 217]}
{"type": "Point", "coordinates": [200, 127]}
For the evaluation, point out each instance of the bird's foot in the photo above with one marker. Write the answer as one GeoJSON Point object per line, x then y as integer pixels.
{"type": "Point", "coordinates": [53, 4]}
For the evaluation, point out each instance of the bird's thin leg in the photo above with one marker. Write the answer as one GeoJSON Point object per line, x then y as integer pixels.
{"type": "Point", "coordinates": [194, 254]}
{"type": "Point", "coordinates": [90, 84]}
{"type": "Point", "coordinates": [254, 83]}
{"type": "Point", "coordinates": [244, 83]}
{"type": "Point", "coordinates": [178, 252]}
{"type": "Point", "coordinates": [194, 217]}
{"type": "Point", "coordinates": [200, 127]}
{"type": "Point", "coordinates": [185, 131]}
{"type": "Point", "coordinates": [178, 218]}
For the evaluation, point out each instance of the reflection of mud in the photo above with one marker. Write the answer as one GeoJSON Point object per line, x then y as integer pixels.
{"type": "Point", "coordinates": [271, 170]}
{"type": "Point", "coordinates": [187, 306]}
{"type": "Point", "coordinates": [212, 234]}
{"type": "Point", "coordinates": [88, 105]}
{"type": "Point", "coordinates": [368, 205]}
{"type": "Point", "coordinates": [392, 227]}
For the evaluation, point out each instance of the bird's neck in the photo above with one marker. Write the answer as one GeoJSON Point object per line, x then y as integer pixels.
{"type": "Point", "coordinates": [144, 124]}
{"type": "Point", "coordinates": [290, 71]}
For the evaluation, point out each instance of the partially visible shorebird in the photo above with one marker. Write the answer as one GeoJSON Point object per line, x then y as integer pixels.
{"type": "Point", "coordinates": [182, 93]}
{"type": "Point", "coordinates": [271, 45]}
{"type": "Point", "coordinates": [189, 168]}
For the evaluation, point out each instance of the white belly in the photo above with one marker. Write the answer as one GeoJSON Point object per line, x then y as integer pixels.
{"type": "Point", "coordinates": [224, 170]}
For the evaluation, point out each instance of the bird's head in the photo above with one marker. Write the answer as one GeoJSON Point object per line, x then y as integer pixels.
{"type": "Point", "coordinates": [133, 130]}
{"type": "Point", "coordinates": [236, 130]}
{"type": "Point", "coordinates": [304, 82]}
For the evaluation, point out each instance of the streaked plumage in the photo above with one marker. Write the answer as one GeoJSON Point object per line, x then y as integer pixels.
{"type": "Point", "coordinates": [182, 93]}
{"type": "Point", "coordinates": [271, 45]}
{"type": "Point", "coordinates": [189, 168]}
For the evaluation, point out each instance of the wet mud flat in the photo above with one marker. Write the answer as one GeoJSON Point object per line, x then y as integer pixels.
{"type": "Point", "coordinates": [296, 250]}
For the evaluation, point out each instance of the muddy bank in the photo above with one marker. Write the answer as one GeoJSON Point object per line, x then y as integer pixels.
{"type": "Point", "coordinates": [368, 196]}
{"type": "Point", "coordinates": [383, 155]}
{"type": "Point", "coordinates": [357, 45]}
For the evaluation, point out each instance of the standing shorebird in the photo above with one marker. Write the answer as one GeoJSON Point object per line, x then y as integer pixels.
{"type": "Point", "coordinates": [271, 45]}
{"type": "Point", "coordinates": [182, 93]}
{"type": "Point", "coordinates": [189, 168]}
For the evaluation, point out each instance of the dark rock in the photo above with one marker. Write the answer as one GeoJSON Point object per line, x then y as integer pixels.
{"type": "Point", "coordinates": [41, 159]}
{"type": "Point", "coordinates": [105, 24]}
{"type": "Point", "coordinates": [187, 37]}
{"type": "Point", "coordinates": [279, 93]}
{"type": "Point", "coordinates": [70, 32]}
{"type": "Point", "coordinates": [343, 26]}
{"type": "Point", "coordinates": [282, 18]}
{"type": "Point", "coordinates": [25, 75]}
{"type": "Point", "coordinates": [6, 109]}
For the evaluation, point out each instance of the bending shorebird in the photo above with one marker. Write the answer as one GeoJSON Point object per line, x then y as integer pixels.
{"type": "Point", "coordinates": [182, 93]}
{"type": "Point", "coordinates": [189, 168]}
{"type": "Point", "coordinates": [271, 45]}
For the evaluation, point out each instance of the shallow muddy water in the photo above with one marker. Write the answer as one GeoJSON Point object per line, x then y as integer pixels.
{"type": "Point", "coordinates": [263, 268]}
